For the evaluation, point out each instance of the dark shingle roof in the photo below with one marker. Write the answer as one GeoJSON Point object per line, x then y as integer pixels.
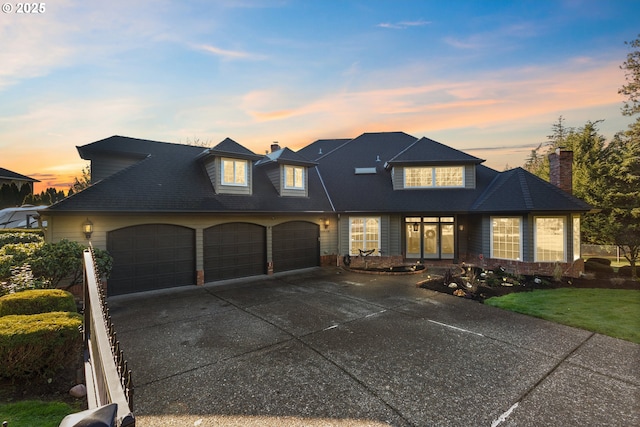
{"type": "Point", "coordinates": [319, 148]}
{"type": "Point", "coordinates": [517, 190]}
{"type": "Point", "coordinates": [428, 151]}
{"type": "Point", "coordinates": [171, 178]}
{"type": "Point", "coordinates": [7, 174]}
{"type": "Point", "coordinates": [286, 156]}
{"type": "Point", "coordinates": [228, 147]}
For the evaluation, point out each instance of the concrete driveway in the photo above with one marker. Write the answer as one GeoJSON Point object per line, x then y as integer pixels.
{"type": "Point", "coordinates": [326, 347]}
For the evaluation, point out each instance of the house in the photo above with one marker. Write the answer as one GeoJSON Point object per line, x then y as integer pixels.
{"type": "Point", "coordinates": [173, 215]}
{"type": "Point", "coordinates": [9, 178]}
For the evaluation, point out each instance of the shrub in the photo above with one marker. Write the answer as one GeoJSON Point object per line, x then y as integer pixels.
{"type": "Point", "coordinates": [37, 301]}
{"type": "Point", "coordinates": [603, 261]}
{"type": "Point", "coordinates": [20, 237]}
{"type": "Point", "coordinates": [21, 280]}
{"type": "Point", "coordinates": [63, 261]}
{"type": "Point", "coordinates": [599, 268]}
{"type": "Point", "coordinates": [624, 271]}
{"type": "Point", "coordinates": [15, 255]}
{"type": "Point", "coordinates": [38, 344]}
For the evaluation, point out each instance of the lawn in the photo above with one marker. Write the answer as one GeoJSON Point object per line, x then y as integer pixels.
{"type": "Point", "coordinates": [34, 413]}
{"type": "Point", "coordinates": [612, 312]}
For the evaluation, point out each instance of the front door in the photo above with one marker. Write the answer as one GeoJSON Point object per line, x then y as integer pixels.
{"type": "Point", "coordinates": [430, 237]}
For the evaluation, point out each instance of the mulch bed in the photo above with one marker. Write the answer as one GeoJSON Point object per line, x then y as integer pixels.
{"type": "Point", "coordinates": [529, 284]}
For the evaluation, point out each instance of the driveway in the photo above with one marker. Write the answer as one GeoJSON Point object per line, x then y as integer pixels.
{"type": "Point", "coordinates": [325, 347]}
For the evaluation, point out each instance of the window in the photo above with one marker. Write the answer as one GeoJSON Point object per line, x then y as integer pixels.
{"type": "Point", "coordinates": [294, 177]}
{"type": "Point", "coordinates": [550, 239]}
{"type": "Point", "coordinates": [449, 177]}
{"type": "Point", "coordinates": [506, 238]}
{"type": "Point", "coordinates": [234, 172]}
{"type": "Point", "coordinates": [576, 238]}
{"type": "Point", "coordinates": [364, 235]}
{"type": "Point", "coordinates": [420, 177]}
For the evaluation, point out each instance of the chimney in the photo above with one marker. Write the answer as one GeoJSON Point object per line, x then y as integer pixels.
{"type": "Point", "coordinates": [561, 169]}
{"type": "Point", "coordinates": [275, 146]}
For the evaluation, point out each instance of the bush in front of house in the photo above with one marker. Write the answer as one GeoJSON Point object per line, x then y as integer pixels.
{"type": "Point", "coordinates": [50, 265]}
{"type": "Point", "coordinates": [14, 255]}
{"type": "Point", "coordinates": [37, 301]}
{"type": "Point", "coordinates": [38, 344]}
{"type": "Point", "coordinates": [600, 266]}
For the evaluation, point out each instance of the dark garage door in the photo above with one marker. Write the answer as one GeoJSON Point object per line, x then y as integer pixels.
{"type": "Point", "coordinates": [295, 245]}
{"type": "Point", "coordinates": [233, 250]}
{"type": "Point", "coordinates": [151, 256]}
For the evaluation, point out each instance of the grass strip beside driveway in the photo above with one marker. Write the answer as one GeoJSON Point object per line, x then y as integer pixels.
{"type": "Point", "coordinates": [612, 312]}
{"type": "Point", "coordinates": [35, 413]}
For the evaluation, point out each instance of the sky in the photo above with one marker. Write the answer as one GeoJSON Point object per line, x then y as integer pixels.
{"type": "Point", "coordinates": [486, 77]}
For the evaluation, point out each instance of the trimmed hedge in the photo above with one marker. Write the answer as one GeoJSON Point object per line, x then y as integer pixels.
{"type": "Point", "coordinates": [37, 301]}
{"type": "Point", "coordinates": [14, 237]}
{"type": "Point", "coordinates": [38, 344]}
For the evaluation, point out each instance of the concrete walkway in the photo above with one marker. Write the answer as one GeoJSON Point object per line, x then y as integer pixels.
{"type": "Point", "coordinates": [331, 348]}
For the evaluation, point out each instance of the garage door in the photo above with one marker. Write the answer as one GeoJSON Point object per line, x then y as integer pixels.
{"type": "Point", "coordinates": [151, 256]}
{"type": "Point", "coordinates": [233, 250]}
{"type": "Point", "coordinates": [296, 245]}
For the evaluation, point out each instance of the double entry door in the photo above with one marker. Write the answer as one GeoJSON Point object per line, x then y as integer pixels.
{"type": "Point", "coordinates": [430, 237]}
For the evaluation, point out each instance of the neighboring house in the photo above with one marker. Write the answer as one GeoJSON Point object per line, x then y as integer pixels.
{"type": "Point", "coordinates": [175, 215]}
{"type": "Point", "coordinates": [9, 177]}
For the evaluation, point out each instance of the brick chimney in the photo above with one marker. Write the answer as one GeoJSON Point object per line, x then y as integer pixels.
{"type": "Point", "coordinates": [275, 146]}
{"type": "Point", "coordinates": [561, 169]}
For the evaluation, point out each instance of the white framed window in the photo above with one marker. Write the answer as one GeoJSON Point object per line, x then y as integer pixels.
{"type": "Point", "coordinates": [450, 176]}
{"type": "Point", "coordinates": [418, 177]}
{"type": "Point", "coordinates": [294, 177]}
{"type": "Point", "coordinates": [550, 239]}
{"type": "Point", "coordinates": [576, 238]}
{"type": "Point", "coordinates": [234, 172]}
{"type": "Point", "coordinates": [364, 234]}
{"type": "Point", "coordinates": [506, 238]}
{"type": "Point", "coordinates": [429, 177]}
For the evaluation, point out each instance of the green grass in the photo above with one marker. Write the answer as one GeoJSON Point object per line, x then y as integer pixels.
{"type": "Point", "coordinates": [34, 413]}
{"type": "Point", "coordinates": [612, 312]}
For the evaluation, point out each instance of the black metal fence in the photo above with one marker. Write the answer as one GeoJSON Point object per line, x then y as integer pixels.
{"type": "Point", "coordinates": [108, 377]}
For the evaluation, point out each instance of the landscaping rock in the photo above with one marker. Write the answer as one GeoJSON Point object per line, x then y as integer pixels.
{"type": "Point", "coordinates": [78, 391]}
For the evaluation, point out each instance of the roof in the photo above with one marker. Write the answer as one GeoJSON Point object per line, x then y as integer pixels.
{"type": "Point", "coordinates": [172, 178]}
{"type": "Point", "coordinates": [228, 147]}
{"type": "Point", "coordinates": [344, 175]}
{"type": "Point", "coordinates": [285, 156]}
{"type": "Point", "coordinates": [319, 148]}
{"type": "Point", "coordinates": [7, 174]}
{"type": "Point", "coordinates": [517, 190]}
{"type": "Point", "coordinates": [428, 151]}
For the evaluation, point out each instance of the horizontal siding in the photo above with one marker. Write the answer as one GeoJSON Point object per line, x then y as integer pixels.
{"type": "Point", "coordinates": [470, 176]}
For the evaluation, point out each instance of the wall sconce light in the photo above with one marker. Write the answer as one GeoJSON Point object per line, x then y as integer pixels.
{"type": "Point", "coordinates": [87, 228]}
{"type": "Point", "coordinates": [325, 222]}
{"type": "Point", "coordinates": [416, 227]}
{"type": "Point", "coordinates": [461, 227]}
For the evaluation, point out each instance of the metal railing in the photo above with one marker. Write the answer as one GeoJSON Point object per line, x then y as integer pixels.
{"type": "Point", "coordinates": [108, 378]}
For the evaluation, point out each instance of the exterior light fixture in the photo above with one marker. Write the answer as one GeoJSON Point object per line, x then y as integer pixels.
{"type": "Point", "coordinates": [87, 228]}
{"type": "Point", "coordinates": [325, 222]}
{"type": "Point", "coordinates": [416, 227]}
{"type": "Point", "coordinates": [461, 227]}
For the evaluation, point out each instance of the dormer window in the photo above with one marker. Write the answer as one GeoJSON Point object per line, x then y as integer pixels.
{"type": "Point", "coordinates": [433, 176]}
{"type": "Point", "coordinates": [234, 172]}
{"type": "Point", "coordinates": [294, 177]}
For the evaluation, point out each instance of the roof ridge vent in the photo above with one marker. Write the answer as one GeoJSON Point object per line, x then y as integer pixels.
{"type": "Point", "coordinates": [378, 158]}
